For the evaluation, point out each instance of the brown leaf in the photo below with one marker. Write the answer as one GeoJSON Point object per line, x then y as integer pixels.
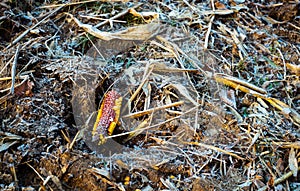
{"type": "Point", "coordinates": [280, 166]}
{"type": "Point", "coordinates": [271, 182]}
{"type": "Point", "coordinates": [220, 5]}
{"type": "Point", "coordinates": [24, 88]}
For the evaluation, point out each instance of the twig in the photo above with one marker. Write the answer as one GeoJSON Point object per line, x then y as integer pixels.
{"type": "Point", "coordinates": [76, 3]}
{"type": "Point", "coordinates": [118, 15]}
{"type": "Point", "coordinates": [188, 4]}
{"type": "Point", "coordinates": [31, 28]}
{"type": "Point", "coordinates": [295, 145]}
{"type": "Point", "coordinates": [40, 176]}
{"type": "Point", "coordinates": [74, 140]}
{"type": "Point", "coordinates": [284, 64]}
{"type": "Point", "coordinates": [267, 167]}
{"type": "Point", "coordinates": [13, 70]}
{"type": "Point", "coordinates": [13, 171]}
{"type": "Point", "coordinates": [10, 60]}
{"type": "Point", "coordinates": [97, 18]}
{"type": "Point", "coordinates": [218, 76]}
{"type": "Point", "coordinates": [148, 111]}
{"type": "Point", "coordinates": [209, 27]}
{"type": "Point", "coordinates": [208, 32]}
{"type": "Point", "coordinates": [279, 180]}
{"type": "Point", "coordinates": [175, 50]}
{"type": "Point", "coordinates": [291, 24]}
{"type": "Point", "coordinates": [139, 88]}
{"type": "Point", "coordinates": [96, 48]}
{"type": "Point", "coordinates": [152, 126]}
{"type": "Point", "coordinates": [25, 78]}
{"type": "Point", "coordinates": [215, 149]}
{"type": "Point", "coordinates": [17, 77]}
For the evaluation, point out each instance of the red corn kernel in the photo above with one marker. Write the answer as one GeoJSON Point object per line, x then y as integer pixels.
{"type": "Point", "coordinates": [108, 116]}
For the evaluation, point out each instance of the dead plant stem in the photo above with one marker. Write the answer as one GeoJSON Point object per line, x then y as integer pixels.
{"type": "Point", "coordinates": [13, 70]}
{"type": "Point", "coordinates": [279, 180]}
{"type": "Point", "coordinates": [31, 28]}
{"type": "Point", "coordinates": [118, 15]}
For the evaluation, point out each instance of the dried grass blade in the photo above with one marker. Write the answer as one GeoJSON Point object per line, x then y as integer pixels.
{"type": "Point", "coordinates": [118, 15]}
{"type": "Point", "coordinates": [149, 111]}
{"type": "Point", "coordinates": [218, 76]}
{"type": "Point", "coordinates": [13, 70]}
{"type": "Point", "coordinates": [80, 2]}
{"type": "Point", "coordinates": [237, 86]}
{"type": "Point", "coordinates": [286, 109]}
{"type": "Point", "coordinates": [146, 76]}
{"type": "Point", "coordinates": [257, 92]}
{"type": "Point", "coordinates": [214, 148]}
{"type": "Point", "coordinates": [295, 145]}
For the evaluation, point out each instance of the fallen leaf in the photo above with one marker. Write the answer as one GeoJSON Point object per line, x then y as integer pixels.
{"type": "Point", "coordinates": [141, 32]}
{"type": "Point", "coordinates": [219, 5]}
{"type": "Point", "coordinates": [293, 164]}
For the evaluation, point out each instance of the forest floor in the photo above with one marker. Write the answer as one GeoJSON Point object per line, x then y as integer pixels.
{"type": "Point", "coordinates": [150, 95]}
